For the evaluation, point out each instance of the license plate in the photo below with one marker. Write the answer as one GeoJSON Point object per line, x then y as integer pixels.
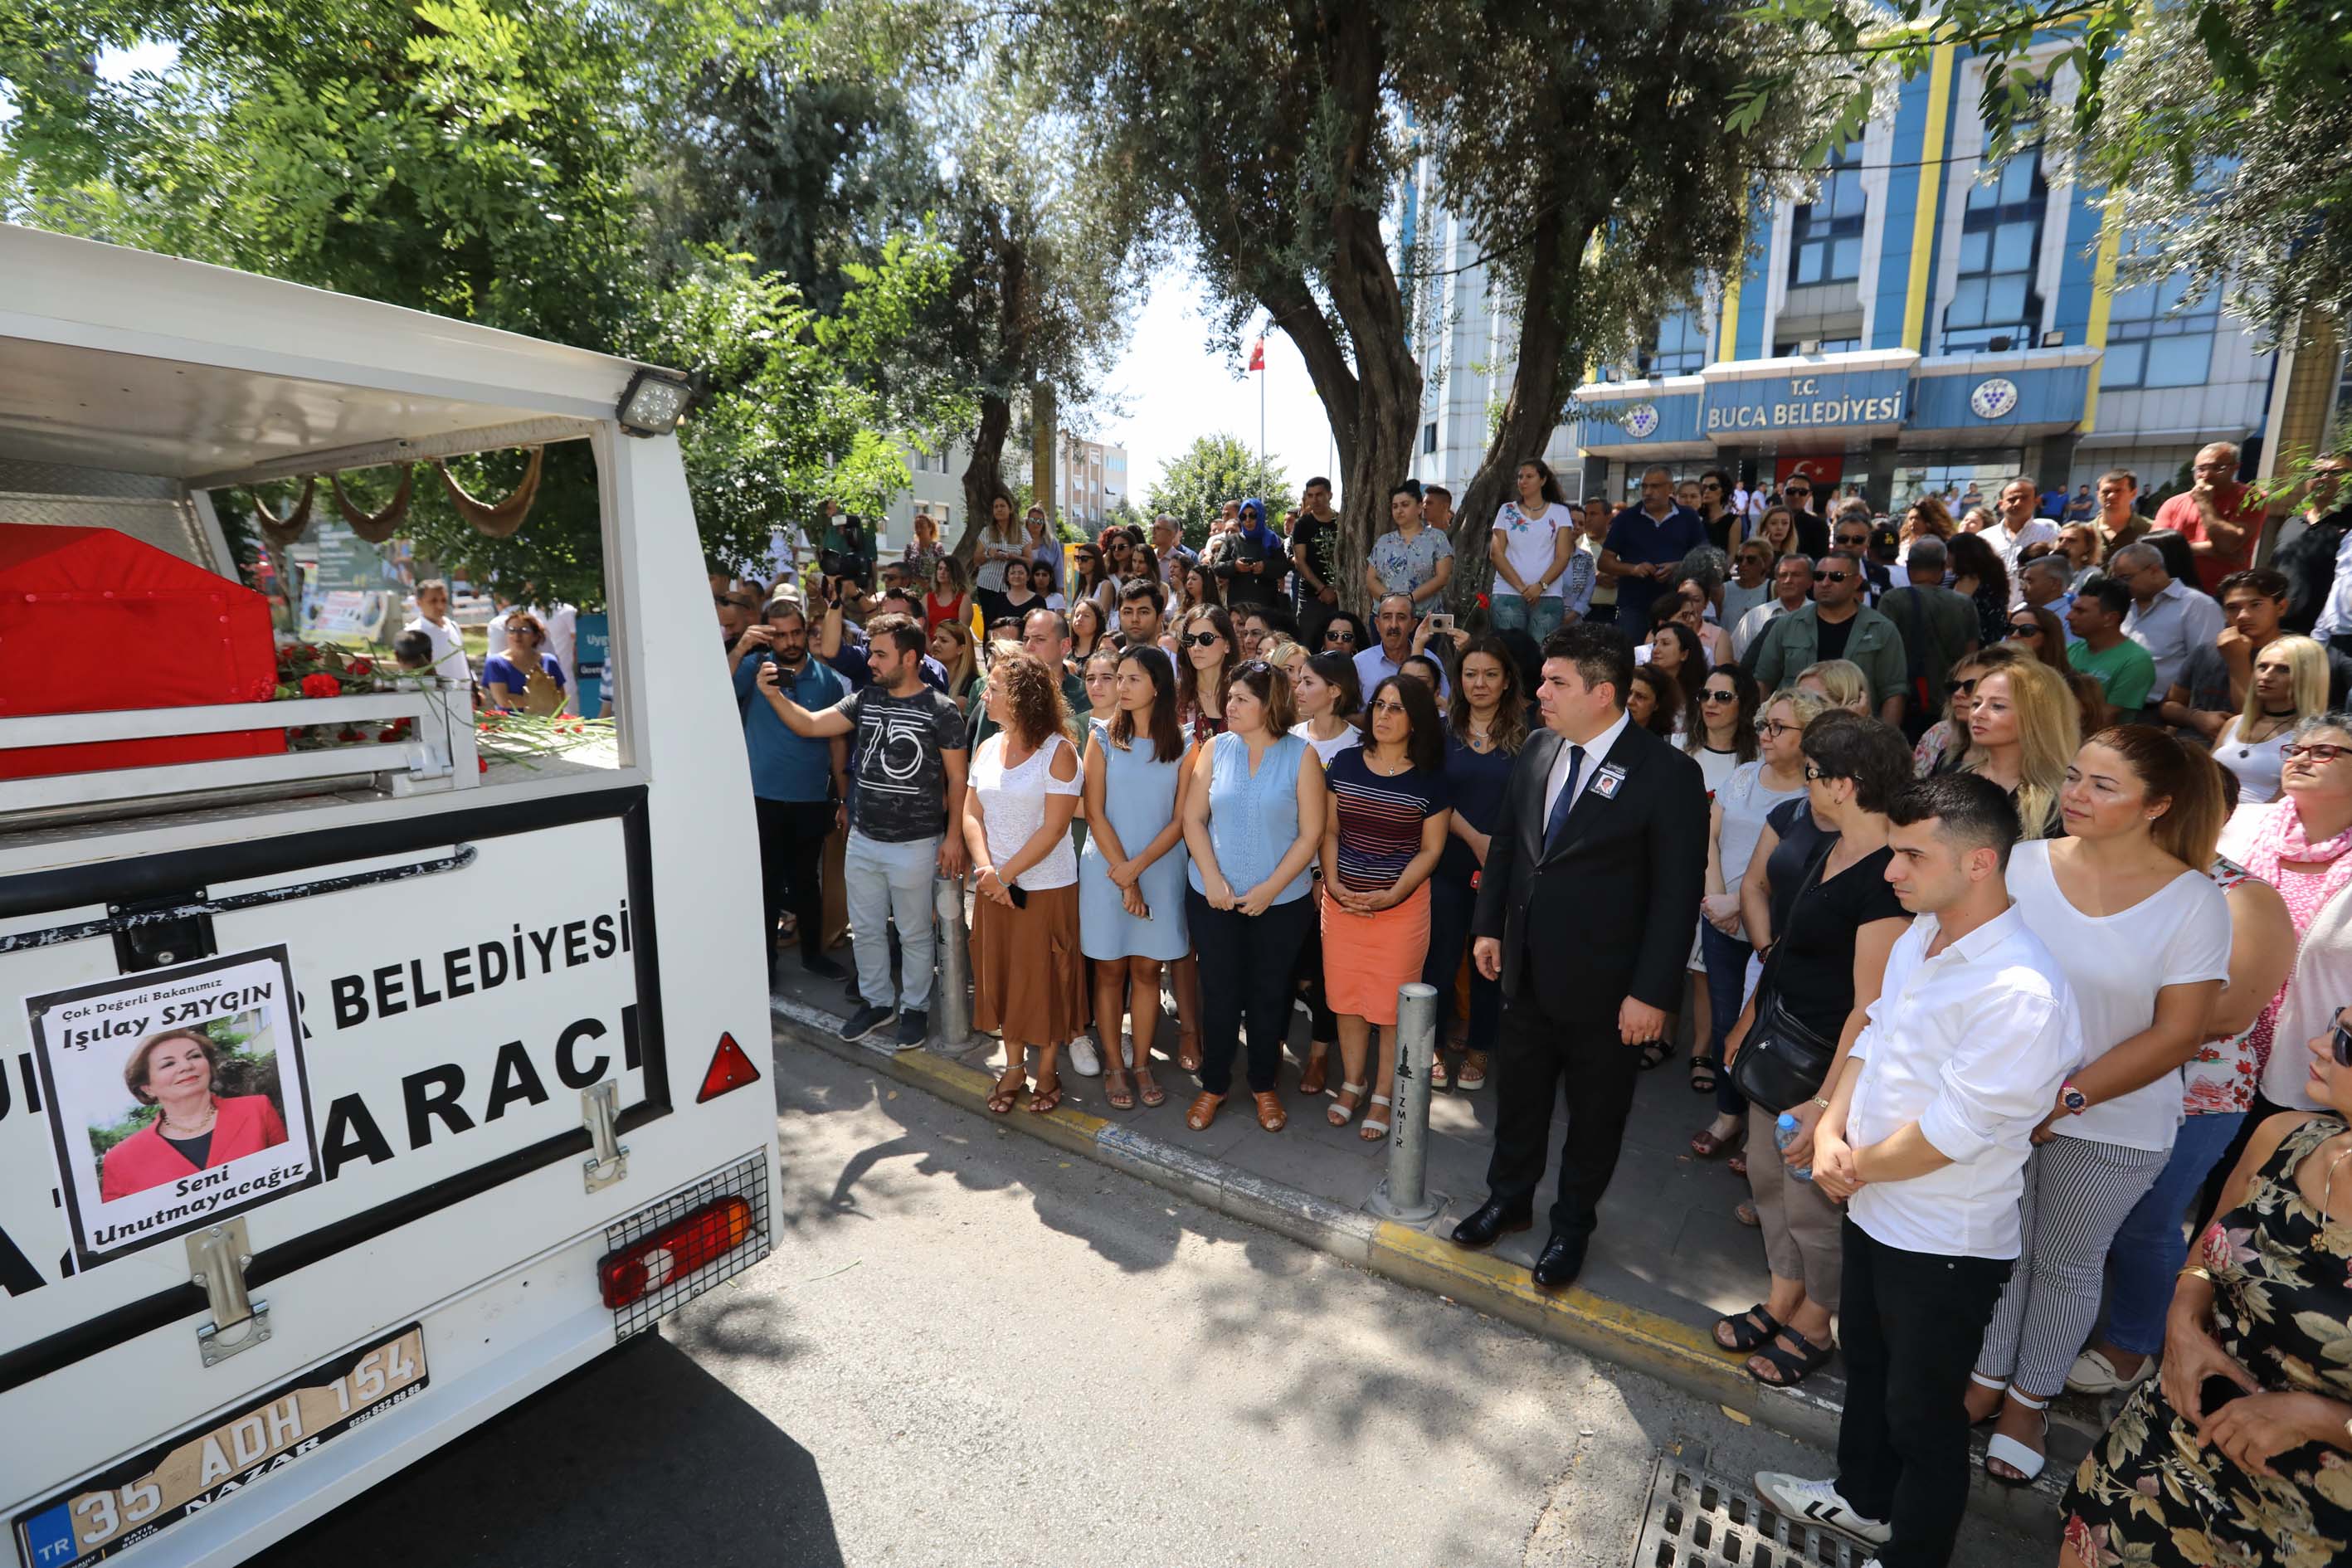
{"type": "Point", "coordinates": [152, 1492]}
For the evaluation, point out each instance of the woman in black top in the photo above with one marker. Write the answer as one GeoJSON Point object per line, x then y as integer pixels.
{"type": "Point", "coordinates": [1829, 955]}
{"type": "Point", "coordinates": [1978, 576]}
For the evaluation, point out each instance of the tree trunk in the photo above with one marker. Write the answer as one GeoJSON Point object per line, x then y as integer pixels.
{"type": "Point", "coordinates": [984, 476]}
{"type": "Point", "coordinates": [1529, 415]}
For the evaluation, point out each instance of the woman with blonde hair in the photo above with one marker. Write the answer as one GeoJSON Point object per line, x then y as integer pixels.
{"type": "Point", "coordinates": [2289, 685]}
{"type": "Point", "coordinates": [959, 654]}
{"type": "Point", "coordinates": [2039, 632]}
{"type": "Point", "coordinates": [1840, 682]}
{"type": "Point", "coordinates": [1945, 745]}
{"type": "Point", "coordinates": [1778, 528]}
{"type": "Point", "coordinates": [2022, 732]}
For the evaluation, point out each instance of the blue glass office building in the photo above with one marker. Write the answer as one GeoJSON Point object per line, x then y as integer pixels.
{"type": "Point", "coordinates": [1921, 323]}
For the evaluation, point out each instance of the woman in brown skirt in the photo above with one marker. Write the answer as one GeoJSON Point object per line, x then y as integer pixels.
{"type": "Point", "coordinates": [1029, 979]}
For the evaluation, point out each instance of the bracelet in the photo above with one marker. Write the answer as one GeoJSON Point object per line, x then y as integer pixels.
{"type": "Point", "coordinates": [2197, 1271]}
{"type": "Point", "coordinates": [1816, 1100]}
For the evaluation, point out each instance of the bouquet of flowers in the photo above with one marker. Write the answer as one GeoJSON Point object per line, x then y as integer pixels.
{"type": "Point", "coordinates": [319, 670]}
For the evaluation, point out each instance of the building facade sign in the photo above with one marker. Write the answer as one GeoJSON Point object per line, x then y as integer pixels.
{"type": "Point", "coordinates": [1809, 400]}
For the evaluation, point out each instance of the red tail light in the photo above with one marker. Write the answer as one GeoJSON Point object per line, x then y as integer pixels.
{"type": "Point", "coordinates": [673, 1251]}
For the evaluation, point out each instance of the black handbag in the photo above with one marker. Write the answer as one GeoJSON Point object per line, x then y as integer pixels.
{"type": "Point", "coordinates": [1784, 1060]}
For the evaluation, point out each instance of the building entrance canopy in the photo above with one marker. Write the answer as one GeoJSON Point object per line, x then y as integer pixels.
{"type": "Point", "coordinates": [1838, 403]}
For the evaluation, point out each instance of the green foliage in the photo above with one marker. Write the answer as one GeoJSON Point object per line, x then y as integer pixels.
{"type": "Point", "coordinates": [2216, 127]}
{"type": "Point", "coordinates": [1195, 487]}
{"type": "Point", "coordinates": [483, 160]}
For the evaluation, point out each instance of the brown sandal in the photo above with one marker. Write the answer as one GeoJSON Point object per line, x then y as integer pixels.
{"type": "Point", "coordinates": [1046, 1095]}
{"type": "Point", "coordinates": [1008, 1089]}
{"type": "Point", "coordinates": [1203, 1111]}
{"type": "Point", "coordinates": [1270, 1114]}
{"type": "Point", "coordinates": [1147, 1090]}
{"type": "Point", "coordinates": [1118, 1090]}
{"type": "Point", "coordinates": [1312, 1077]}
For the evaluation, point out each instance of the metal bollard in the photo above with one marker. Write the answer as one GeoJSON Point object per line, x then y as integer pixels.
{"type": "Point", "coordinates": [1403, 1194]}
{"type": "Point", "coordinates": [951, 990]}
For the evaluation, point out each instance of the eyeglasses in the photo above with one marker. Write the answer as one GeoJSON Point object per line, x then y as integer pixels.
{"type": "Point", "coordinates": [1387, 707]}
{"type": "Point", "coordinates": [1714, 696]}
{"type": "Point", "coordinates": [2314, 751]}
{"type": "Point", "coordinates": [1814, 774]}
{"type": "Point", "coordinates": [1200, 639]}
{"type": "Point", "coordinates": [1775, 729]}
{"type": "Point", "coordinates": [1832, 576]}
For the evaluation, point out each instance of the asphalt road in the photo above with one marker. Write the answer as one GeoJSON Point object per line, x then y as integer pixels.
{"type": "Point", "coordinates": [972, 1348]}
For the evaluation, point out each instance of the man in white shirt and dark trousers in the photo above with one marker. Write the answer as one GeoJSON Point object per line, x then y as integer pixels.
{"type": "Point", "coordinates": [1925, 1136]}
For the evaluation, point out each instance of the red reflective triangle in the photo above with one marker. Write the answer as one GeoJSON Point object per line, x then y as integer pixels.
{"type": "Point", "coordinates": [729, 1068]}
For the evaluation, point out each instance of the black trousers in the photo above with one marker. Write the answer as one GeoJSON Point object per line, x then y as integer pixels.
{"type": "Point", "coordinates": [1306, 979]}
{"type": "Point", "coordinates": [1245, 966]}
{"type": "Point", "coordinates": [791, 855]}
{"type": "Point", "coordinates": [1452, 902]}
{"type": "Point", "coordinates": [1535, 1053]}
{"type": "Point", "coordinates": [1912, 1324]}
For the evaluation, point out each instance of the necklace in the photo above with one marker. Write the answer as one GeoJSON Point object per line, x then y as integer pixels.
{"type": "Point", "coordinates": [2327, 1187]}
{"type": "Point", "coordinates": [1378, 764]}
{"type": "Point", "coordinates": [2269, 724]}
{"type": "Point", "coordinates": [212, 1114]}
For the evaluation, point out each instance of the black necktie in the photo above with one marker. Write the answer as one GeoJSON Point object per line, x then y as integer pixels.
{"type": "Point", "coordinates": [1560, 807]}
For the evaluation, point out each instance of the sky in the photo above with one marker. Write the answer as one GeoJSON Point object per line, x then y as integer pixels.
{"type": "Point", "coordinates": [1175, 388]}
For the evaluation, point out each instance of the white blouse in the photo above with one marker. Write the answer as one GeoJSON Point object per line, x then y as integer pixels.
{"type": "Point", "coordinates": [1012, 808]}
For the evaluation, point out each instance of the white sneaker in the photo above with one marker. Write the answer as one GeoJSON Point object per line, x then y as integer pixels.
{"type": "Point", "coordinates": [2093, 1372]}
{"type": "Point", "coordinates": [1818, 1502]}
{"type": "Point", "coordinates": [1086, 1060]}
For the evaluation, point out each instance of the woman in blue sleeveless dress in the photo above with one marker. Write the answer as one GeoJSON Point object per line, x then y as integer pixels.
{"type": "Point", "coordinates": [1131, 878]}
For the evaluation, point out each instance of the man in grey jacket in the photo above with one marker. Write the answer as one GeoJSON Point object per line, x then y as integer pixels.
{"type": "Point", "coordinates": [1836, 624]}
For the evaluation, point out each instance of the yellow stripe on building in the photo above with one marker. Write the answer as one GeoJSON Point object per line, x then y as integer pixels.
{"type": "Point", "coordinates": [1923, 221]}
{"type": "Point", "coordinates": [2103, 298]}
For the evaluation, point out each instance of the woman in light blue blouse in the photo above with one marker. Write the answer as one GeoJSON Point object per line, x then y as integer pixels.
{"type": "Point", "coordinates": [1412, 558]}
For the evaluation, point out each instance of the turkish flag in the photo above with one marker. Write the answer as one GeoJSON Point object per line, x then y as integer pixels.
{"type": "Point", "coordinates": [1257, 354]}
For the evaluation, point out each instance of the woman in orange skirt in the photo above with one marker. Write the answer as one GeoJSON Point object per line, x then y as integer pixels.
{"type": "Point", "coordinates": [1029, 977]}
{"type": "Point", "coordinates": [1383, 830]}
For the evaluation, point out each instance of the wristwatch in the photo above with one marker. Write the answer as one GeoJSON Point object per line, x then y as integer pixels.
{"type": "Point", "coordinates": [2073, 1099]}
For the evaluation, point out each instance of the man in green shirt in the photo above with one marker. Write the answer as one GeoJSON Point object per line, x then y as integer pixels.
{"type": "Point", "coordinates": [1836, 624]}
{"type": "Point", "coordinates": [2122, 667]}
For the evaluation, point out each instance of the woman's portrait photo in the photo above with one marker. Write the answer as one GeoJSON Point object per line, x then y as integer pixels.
{"type": "Point", "coordinates": [202, 1100]}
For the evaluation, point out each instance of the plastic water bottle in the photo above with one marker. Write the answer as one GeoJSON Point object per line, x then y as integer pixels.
{"type": "Point", "coordinates": [1784, 1133]}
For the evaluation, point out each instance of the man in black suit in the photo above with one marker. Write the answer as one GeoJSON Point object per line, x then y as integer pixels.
{"type": "Point", "coordinates": [1585, 911]}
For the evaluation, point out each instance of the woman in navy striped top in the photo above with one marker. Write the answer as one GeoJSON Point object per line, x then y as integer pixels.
{"type": "Point", "coordinates": [1381, 839]}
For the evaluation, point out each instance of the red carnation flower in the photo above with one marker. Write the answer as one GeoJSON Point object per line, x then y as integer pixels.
{"type": "Point", "coordinates": [483, 764]}
{"type": "Point", "coordinates": [321, 685]}
{"type": "Point", "coordinates": [363, 667]}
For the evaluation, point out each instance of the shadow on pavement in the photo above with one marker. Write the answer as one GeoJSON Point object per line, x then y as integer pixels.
{"type": "Point", "coordinates": [642, 1456]}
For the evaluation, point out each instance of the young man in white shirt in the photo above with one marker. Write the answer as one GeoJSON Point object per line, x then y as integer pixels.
{"type": "Point", "coordinates": [1925, 1136]}
{"type": "Point", "coordinates": [432, 620]}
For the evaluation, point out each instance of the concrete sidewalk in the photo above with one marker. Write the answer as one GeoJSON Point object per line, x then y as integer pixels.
{"type": "Point", "coordinates": [1669, 1258]}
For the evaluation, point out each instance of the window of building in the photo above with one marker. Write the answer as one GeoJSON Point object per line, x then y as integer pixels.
{"type": "Point", "coordinates": [1428, 437]}
{"type": "Point", "coordinates": [1825, 233]}
{"type": "Point", "coordinates": [1789, 349]}
{"type": "Point", "coordinates": [2152, 344]}
{"type": "Point", "coordinates": [1681, 345]}
{"type": "Point", "coordinates": [1993, 293]}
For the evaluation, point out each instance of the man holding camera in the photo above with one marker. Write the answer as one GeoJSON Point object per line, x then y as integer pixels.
{"type": "Point", "coordinates": [799, 786]}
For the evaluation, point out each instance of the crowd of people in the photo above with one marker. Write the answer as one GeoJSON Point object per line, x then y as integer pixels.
{"type": "Point", "coordinates": [2000, 866]}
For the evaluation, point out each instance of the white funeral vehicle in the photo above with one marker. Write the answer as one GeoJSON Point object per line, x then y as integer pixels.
{"type": "Point", "coordinates": [347, 1094]}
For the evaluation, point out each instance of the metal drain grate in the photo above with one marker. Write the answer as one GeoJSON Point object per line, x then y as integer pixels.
{"type": "Point", "coordinates": [1700, 1520]}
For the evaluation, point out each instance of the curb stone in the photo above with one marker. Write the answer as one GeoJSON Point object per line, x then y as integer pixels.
{"type": "Point", "coordinates": [1672, 1352]}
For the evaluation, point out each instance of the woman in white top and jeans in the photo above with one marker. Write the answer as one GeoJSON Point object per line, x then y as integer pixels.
{"type": "Point", "coordinates": [1534, 555]}
{"type": "Point", "coordinates": [2124, 904]}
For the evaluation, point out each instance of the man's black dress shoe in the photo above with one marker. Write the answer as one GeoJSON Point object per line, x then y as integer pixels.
{"type": "Point", "coordinates": [1486, 1222]}
{"type": "Point", "coordinates": [1561, 1261]}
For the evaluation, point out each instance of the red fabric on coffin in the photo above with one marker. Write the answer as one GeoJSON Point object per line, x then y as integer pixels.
{"type": "Point", "coordinates": [92, 619]}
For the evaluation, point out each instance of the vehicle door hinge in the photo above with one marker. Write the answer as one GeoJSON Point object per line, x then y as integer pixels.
{"type": "Point", "coordinates": [600, 1108]}
{"type": "Point", "coordinates": [218, 1257]}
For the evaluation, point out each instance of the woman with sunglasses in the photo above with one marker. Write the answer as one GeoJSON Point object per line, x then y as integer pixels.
{"type": "Point", "coordinates": [1385, 821]}
{"type": "Point", "coordinates": [2124, 904]}
{"type": "Point", "coordinates": [2039, 632]}
{"type": "Point", "coordinates": [2238, 1451]}
{"type": "Point", "coordinates": [1945, 743]}
{"type": "Point", "coordinates": [1485, 726]}
{"type": "Point", "coordinates": [1254, 817]}
{"type": "Point", "coordinates": [1204, 660]}
{"type": "Point", "coordinates": [1345, 633]}
{"type": "Point", "coordinates": [1087, 577]}
{"type": "Point", "coordinates": [1829, 958]}
{"type": "Point", "coordinates": [1721, 743]}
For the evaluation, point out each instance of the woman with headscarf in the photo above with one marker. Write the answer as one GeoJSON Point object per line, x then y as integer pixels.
{"type": "Point", "coordinates": [1255, 563]}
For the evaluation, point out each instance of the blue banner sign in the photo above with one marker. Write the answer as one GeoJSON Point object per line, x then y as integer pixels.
{"type": "Point", "coordinates": [1806, 402]}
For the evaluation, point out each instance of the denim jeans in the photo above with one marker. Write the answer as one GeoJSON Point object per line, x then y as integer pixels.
{"type": "Point", "coordinates": [885, 882]}
{"type": "Point", "coordinates": [1727, 983]}
{"type": "Point", "coordinates": [1538, 618]}
{"type": "Point", "coordinates": [2147, 1250]}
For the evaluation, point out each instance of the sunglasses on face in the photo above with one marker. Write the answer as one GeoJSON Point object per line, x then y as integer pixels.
{"type": "Point", "coordinates": [2313, 752]}
{"type": "Point", "coordinates": [1714, 696]}
{"type": "Point", "coordinates": [2339, 1043]}
{"type": "Point", "coordinates": [1832, 576]}
{"type": "Point", "coordinates": [1345, 637]}
{"type": "Point", "coordinates": [2023, 629]}
{"type": "Point", "coordinates": [1796, 490]}
{"type": "Point", "coordinates": [1200, 639]}
{"type": "Point", "coordinates": [1853, 540]}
